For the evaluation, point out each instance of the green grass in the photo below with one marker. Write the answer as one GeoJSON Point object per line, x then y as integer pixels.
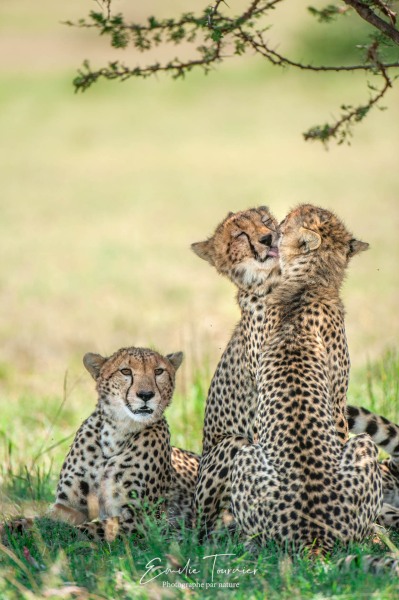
{"type": "Point", "coordinates": [122, 569]}
{"type": "Point", "coordinates": [102, 194]}
{"type": "Point", "coordinates": [377, 386]}
{"type": "Point", "coordinates": [58, 555]}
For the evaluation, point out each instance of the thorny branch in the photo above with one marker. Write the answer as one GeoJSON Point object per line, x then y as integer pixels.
{"type": "Point", "coordinates": [364, 11]}
{"type": "Point", "coordinates": [341, 128]}
{"type": "Point", "coordinates": [262, 47]}
{"type": "Point", "coordinates": [216, 32]}
{"type": "Point", "coordinates": [116, 70]}
{"type": "Point", "coordinates": [213, 11]}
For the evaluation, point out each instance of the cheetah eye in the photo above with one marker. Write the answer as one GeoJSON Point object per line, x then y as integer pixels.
{"type": "Point", "coordinates": [269, 223]}
{"type": "Point", "coordinates": [159, 371]}
{"type": "Point", "coordinates": [126, 371]}
{"type": "Point", "coordinates": [237, 235]}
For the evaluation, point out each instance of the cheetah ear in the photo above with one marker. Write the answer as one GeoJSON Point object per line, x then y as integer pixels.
{"type": "Point", "coordinates": [93, 363]}
{"type": "Point", "coordinates": [356, 246]}
{"type": "Point", "coordinates": [309, 239]}
{"type": "Point", "coordinates": [176, 359]}
{"type": "Point", "coordinates": [204, 250]}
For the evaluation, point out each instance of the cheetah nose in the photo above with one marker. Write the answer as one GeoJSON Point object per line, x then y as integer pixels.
{"type": "Point", "coordinates": [143, 395]}
{"type": "Point", "coordinates": [266, 240]}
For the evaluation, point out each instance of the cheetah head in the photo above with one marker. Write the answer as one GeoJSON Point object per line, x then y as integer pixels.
{"type": "Point", "coordinates": [134, 383]}
{"type": "Point", "coordinates": [244, 248]}
{"type": "Point", "coordinates": [314, 244]}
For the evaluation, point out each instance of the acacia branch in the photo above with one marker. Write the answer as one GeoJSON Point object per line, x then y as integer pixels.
{"type": "Point", "coordinates": [218, 31]}
{"type": "Point", "coordinates": [365, 12]}
{"type": "Point", "coordinates": [213, 12]}
{"type": "Point", "coordinates": [274, 57]}
{"type": "Point", "coordinates": [351, 115]}
{"type": "Point", "coordinates": [117, 70]}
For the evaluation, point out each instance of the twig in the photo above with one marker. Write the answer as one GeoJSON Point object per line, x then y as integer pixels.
{"type": "Point", "coordinates": [365, 12]}
{"type": "Point", "coordinates": [213, 12]}
{"type": "Point", "coordinates": [218, 30]}
{"type": "Point", "coordinates": [117, 70]}
{"type": "Point", "coordinates": [277, 59]}
{"type": "Point", "coordinates": [356, 114]}
{"type": "Point", "coordinates": [386, 10]}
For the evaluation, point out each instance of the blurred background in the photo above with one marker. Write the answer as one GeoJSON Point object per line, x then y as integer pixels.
{"type": "Point", "coordinates": [103, 193]}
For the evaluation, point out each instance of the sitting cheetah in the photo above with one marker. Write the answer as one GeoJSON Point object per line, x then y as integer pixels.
{"type": "Point", "coordinates": [299, 485]}
{"type": "Point", "coordinates": [243, 248]}
{"type": "Point", "coordinates": [121, 457]}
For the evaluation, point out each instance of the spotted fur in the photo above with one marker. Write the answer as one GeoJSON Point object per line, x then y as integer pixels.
{"type": "Point", "coordinates": [121, 460]}
{"type": "Point", "coordinates": [230, 415]}
{"type": "Point", "coordinates": [376, 565]}
{"type": "Point", "coordinates": [300, 485]}
{"type": "Point", "coordinates": [243, 248]}
{"type": "Point", "coordinates": [385, 434]}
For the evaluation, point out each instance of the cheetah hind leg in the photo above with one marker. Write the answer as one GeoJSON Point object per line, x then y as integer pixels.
{"type": "Point", "coordinates": [57, 512]}
{"type": "Point", "coordinates": [16, 526]}
{"type": "Point", "coordinates": [376, 565]}
{"type": "Point", "coordinates": [67, 514]}
{"type": "Point", "coordinates": [213, 489]}
{"type": "Point", "coordinates": [389, 517]}
{"type": "Point", "coordinates": [254, 486]}
{"type": "Point", "coordinates": [362, 480]}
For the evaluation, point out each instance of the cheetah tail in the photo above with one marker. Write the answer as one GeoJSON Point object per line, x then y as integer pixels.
{"type": "Point", "coordinates": [383, 432]}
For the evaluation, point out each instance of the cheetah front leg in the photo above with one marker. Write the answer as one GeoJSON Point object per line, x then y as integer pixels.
{"type": "Point", "coordinates": [127, 496]}
{"type": "Point", "coordinates": [362, 485]}
{"type": "Point", "coordinates": [213, 490]}
{"type": "Point", "coordinates": [129, 519]}
{"type": "Point", "coordinates": [109, 529]}
{"type": "Point", "coordinates": [255, 487]}
{"type": "Point", "coordinates": [117, 490]}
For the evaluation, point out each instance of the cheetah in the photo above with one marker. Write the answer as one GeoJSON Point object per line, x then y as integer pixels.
{"type": "Point", "coordinates": [121, 458]}
{"type": "Point", "coordinates": [299, 485]}
{"type": "Point", "coordinates": [243, 248]}
{"type": "Point", "coordinates": [236, 251]}
{"type": "Point", "coordinates": [382, 431]}
{"type": "Point", "coordinates": [385, 434]}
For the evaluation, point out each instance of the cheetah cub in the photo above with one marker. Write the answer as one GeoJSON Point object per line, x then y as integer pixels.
{"type": "Point", "coordinates": [300, 485]}
{"type": "Point", "coordinates": [120, 459]}
{"type": "Point", "coordinates": [243, 249]}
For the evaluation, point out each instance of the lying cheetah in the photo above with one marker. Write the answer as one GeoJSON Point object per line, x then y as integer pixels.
{"type": "Point", "coordinates": [243, 248]}
{"type": "Point", "coordinates": [299, 485]}
{"type": "Point", "coordinates": [121, 457]}
{"type": "Point", "coordinates": [385, 434]}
